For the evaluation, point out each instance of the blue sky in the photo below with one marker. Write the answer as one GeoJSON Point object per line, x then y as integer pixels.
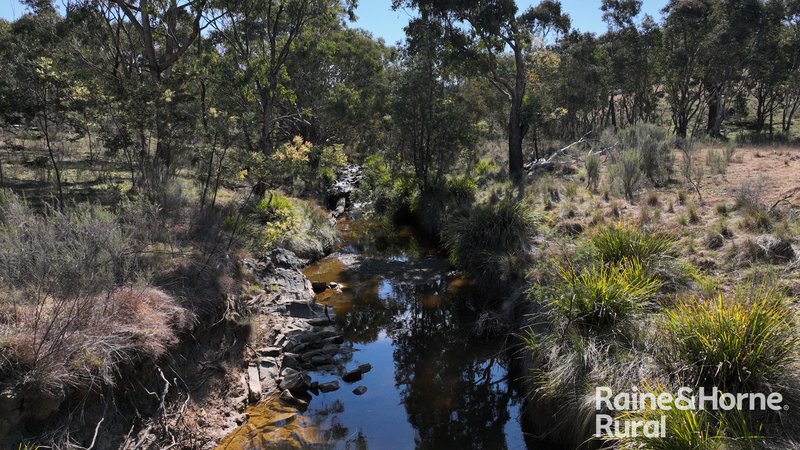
{"type": "Point", "coordinates": [377, 16]}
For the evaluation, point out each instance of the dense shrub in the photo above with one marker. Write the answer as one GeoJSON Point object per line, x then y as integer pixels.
{"type": "Point", "coordinates": [70, 310]}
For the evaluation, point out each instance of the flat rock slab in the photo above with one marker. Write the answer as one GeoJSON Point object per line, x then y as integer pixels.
{"type": "Point", "coordinates": [253, 383]}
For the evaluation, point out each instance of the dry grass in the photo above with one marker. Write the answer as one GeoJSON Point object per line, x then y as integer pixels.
{"type": "Point", "coordinates": [70, 313]}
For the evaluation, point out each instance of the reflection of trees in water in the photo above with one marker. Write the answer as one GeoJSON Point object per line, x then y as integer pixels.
{"type": "Point", "coordinates": [445, 378]}
{"type": "Point", "coordinates": [368, 314]}
{"type": "Point", "coordinates": [333, 432]}
{"type": "Point", "coordinates": [443, 372]}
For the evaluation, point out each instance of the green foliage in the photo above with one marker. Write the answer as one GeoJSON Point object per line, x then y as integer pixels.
{"type": "Point", "coordinates": [735, 340]}
{"type": "Point", "coordinates": [329, 160]}
{"type": "Point", "coordinates": [627, 173]}
{"type": "Point", "coordinates": [717, 161]}
{"type": "Point", "coordinates": [602, 295]}
{"type": "Point", "coordinates": [625, 241]}
{"type": "Point", "coordinates": [387, 189]}
{"type": "Point", "coordinates": [654, 149]}
{"type": "Point", "coordinates": [489, 240]}
{"type": "Point", "coordinates": [592, 166]}
{"type": "Point", "coordinates": [686, 429]}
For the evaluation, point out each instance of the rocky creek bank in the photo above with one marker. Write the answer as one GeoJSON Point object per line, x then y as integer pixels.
{"type": "Point", "coordinates": [293, 334]}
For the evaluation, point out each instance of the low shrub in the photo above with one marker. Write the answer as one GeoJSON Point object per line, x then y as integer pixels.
{"type": "Point", "coordinates": [627, 174]}
{"type": "Point", "coordinates": [735, 340]}
{"type": "Point", "coordinates": [653, 148]}
{"type": "Point", "coordinates": [70, 310]}
{"type": "Point", "coordinates": [592, 166]}
{"type": "Point", "coordinates": [716, 161]}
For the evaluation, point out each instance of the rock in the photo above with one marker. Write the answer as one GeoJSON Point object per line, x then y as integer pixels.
{"type": "Point", "coordinates": [352, 376]}
{"type": "Point", "coordinates": [319, 286]}
{"type": "Point", "coordinates": [319, 322]}
{"type": "Point", "coordinates": [269, 351]}
{"type": "Point", "coordinates": [294, 380]}
{"type": "Point", "coordinates": [297, 348]}
{"type": "Point", "coordinates": [347, 179]}
{"type": "Point", "coordinates": [290, 360]}
{"type": "Point", "coordinates": [287, 397]}
{"type": "Point", "coordinates": [329, 386]}
{"type": "Point", "coordinates": [309, 437]}
{"type": "Point", "coordinates": [330, 349]}
{"type": "Point", "coordinates": [321, 360]}
{"type": "Point", "coordinates": [364, 368]}
{"type": "Point", "coordinates": [283, 258]}
{"type": "Point", "coordinates": [776, 250]}
{"type": "Point", "coordinates": [337, 339]}
{"type": "Point", "coordinates": [328, 368]}
{"type": "Point", "coordinates": [360, 390]}
{"type": "Point", "coordinates": [253, 383]}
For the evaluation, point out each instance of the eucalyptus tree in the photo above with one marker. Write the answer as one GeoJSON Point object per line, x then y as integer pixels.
{"type": "Point", "coordinates": [769, 66]}
{"type": "Point", "coordinates": [791, 99]}
{"type": "Point", "coordinates": [583, 85]}
{"type": "Point", "coordinates": [481, 32]}
{"type": "Point", "coordinates": [685, 55]}
{"type": "Point", "coordinates": [633, 67]}
{"type": "Point", "coordinates": [256, 38]}
{"type": "Point", "coordinates": [731, 41]}
{"type": "Point", "coordinates": [435, 122]}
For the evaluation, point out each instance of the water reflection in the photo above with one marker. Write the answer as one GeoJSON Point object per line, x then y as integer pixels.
{"type": "Point", "coordinates": [434, 385]}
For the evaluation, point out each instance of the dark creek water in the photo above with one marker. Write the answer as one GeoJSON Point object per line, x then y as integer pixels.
{"type": "Point", "coordinates": [433, 384]}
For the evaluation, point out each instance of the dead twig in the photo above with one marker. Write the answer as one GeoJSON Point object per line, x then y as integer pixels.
{"type": "Point", "coordinates": [784, 198]}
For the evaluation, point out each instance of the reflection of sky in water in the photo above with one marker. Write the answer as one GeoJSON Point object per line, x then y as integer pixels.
{"type": "Point", "coordinates": [379, 413]}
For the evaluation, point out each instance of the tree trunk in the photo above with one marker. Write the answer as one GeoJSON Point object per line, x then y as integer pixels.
{"type": "Point", "coordinates": [715, 111]}
{"type": "Point", "coordinates": [515, 126]}
{"type": "Point", "coordinates": [515, 163]}
{"type": "Point", "coordinates": [56, 169]}
{"type": "Point", "coordinates": [612, 111]}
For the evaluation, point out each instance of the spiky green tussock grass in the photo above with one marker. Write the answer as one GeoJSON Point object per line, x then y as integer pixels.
{"type": "Point", "coordinates": [735, 340]}
{"type": "Point", "coordinates": [485, 240]}
{"type": "Point", "coordinates": [626, 241]}
{"type": "Point", "coordinates": [601, 295]}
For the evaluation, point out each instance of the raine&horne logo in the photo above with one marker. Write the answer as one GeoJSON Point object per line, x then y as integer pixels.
{"type": "Point", "coordinates": [609, 427]}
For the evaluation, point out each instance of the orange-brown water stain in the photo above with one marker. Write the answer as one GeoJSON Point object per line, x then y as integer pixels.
{"type": "Point", "coordinates": [271, 425]}
{"type": "Point", "coordinates": [326, 271]}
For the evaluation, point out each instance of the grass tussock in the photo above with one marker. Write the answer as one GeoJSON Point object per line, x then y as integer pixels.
{"type": "Point", "coordinates": [490, 240]}
{"type": "Point", "coordinates": [602, 295]}
{"type": "Point", "coordinates": [741, 339]}
{"type": "Point", "coordinates": [625, 241]}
